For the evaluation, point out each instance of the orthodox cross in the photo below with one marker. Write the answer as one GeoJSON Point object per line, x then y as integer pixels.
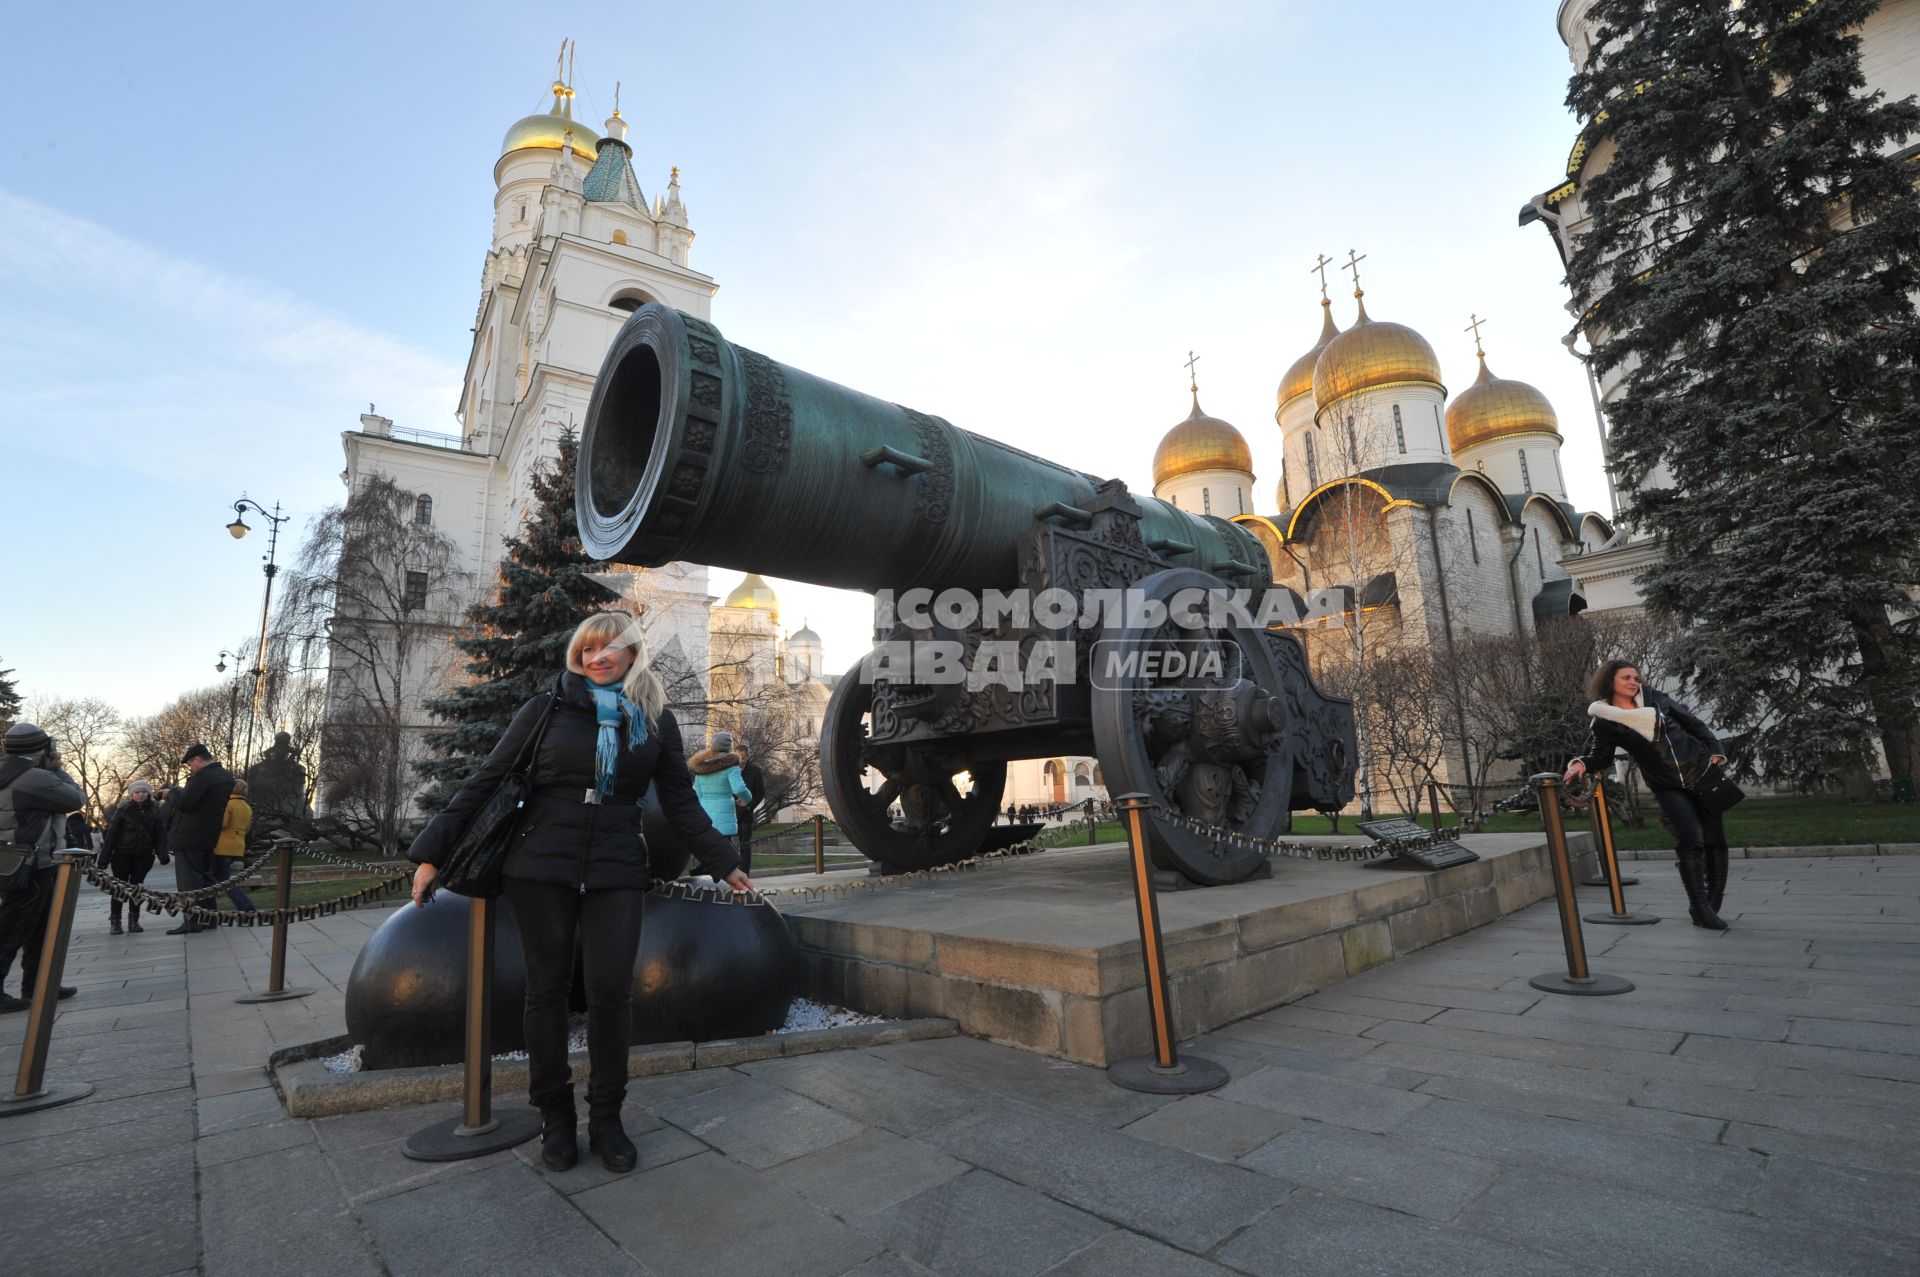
{"type": "Point", "coordinates": [1474, 328]}
{"type": "Point", "coordinates": [1320, 268]}
{"type": "Point", "coordinates": [1193, 383]}
{"type": "Point", "coordinates": [1353, 264]}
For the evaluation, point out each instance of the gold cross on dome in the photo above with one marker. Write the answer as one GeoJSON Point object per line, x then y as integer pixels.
{"type": "Point", "coordinates": [1353, 264]}
{"type": "Point", "coordinates": [1193, 382]}
{"type": "Point", "coordinates": [1474, 328]}
{"type": "Point", "coordinates": [1320, 268]}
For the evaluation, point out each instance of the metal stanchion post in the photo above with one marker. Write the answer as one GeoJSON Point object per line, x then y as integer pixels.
{"type": "Point", "coordinates": [478, 1130]}
{"type": "Point", "coordinates": [1578, 979]}
{"type": "Point", "coordinates": [1163, 1072]}
{"type": "Point", "coordinates": [30, 1090]}
{"type": "Point", "coordinates": [1433, 804]}
{"type": "Point", "coordinates": [1610, 866]}
{"type": "Point", "coordinates": [1093, 830]}
{"type": "Point", "coordinates": [277, 990]}
{"type": "Point", "coordinates": [819, 844]}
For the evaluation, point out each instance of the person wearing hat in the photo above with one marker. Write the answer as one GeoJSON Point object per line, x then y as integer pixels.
{"type": "Point", "coordinates": [717, 782]}
{"type": "Point", "coordinates": [136, 836]}
{"type": "Point", "coordinates": [196, 813]}
{"type": "Point", "coordinates": [35, 797]}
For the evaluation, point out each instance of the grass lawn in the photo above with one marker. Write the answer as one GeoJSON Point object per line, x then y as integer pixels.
{"type": "Point", "coordinates": [1758, 822]}
{"type": "Point", "coordinates": [308, 892]}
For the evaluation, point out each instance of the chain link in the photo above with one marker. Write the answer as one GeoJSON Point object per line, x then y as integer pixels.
{"type": "Point", "coordinates": [185, 903]}
{"type": "Point", "coordinates": [1315, 851]}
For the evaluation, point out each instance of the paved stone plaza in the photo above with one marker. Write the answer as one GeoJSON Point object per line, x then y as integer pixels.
{"type": "Point", "coordinates": [1753, 1107]}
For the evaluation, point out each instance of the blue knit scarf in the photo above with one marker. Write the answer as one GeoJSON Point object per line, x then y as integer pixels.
{"type": "Point", "coordinates": [608, 704]}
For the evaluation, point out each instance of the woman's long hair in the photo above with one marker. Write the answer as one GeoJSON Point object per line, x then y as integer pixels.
{"type": "Point", "coordinates": [617, 629]}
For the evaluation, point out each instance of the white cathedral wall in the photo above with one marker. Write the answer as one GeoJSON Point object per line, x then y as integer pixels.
{"type": "Point", "coordinates": [1296, 420]}
{"type": "Point", "coordinates": [1375, 443]}
{"type": "Point", "coordinates": [1499, 460]}
{"type": "Point", "coordinates": [1479, 598]}
{"type": "Point", "coordinates": [1221, 493]}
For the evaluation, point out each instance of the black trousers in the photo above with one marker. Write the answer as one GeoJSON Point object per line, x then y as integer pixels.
{"type": "Point", "coordinates": [744, 841]}
{"type": "Point", "coordinates": [23, 926]}
{"type": "Point", "coordinates": [129, 867]}
{"type": "Point", "coordinates": [607, 924]}
{"type": "Point", "coordinates": [1692, 823]}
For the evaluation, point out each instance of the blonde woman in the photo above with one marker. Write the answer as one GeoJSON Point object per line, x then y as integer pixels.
{"type": "Point", "coordinates": [578, 866]}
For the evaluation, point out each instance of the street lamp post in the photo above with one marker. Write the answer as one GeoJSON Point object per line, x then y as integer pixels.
{"type": "Point", "coordinates": [233, 695]}
{"type": "Point", "coordinates": [237, 529]}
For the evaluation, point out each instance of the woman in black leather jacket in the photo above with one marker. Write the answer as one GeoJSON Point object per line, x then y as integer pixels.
{"type": "Point", "coordinates": [577, 867]}
{"type": "Point", "coordinates": [1672, 748]}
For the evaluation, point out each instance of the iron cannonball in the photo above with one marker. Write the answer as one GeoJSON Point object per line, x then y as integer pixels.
{"type": "Point", "coordinates": [710, 968]}
{"type": "Point", "coordinates": [406, 998]}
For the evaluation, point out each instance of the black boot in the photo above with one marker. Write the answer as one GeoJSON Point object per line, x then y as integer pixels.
{"type": "Point", "coordinates": [1692, 862]}
{"type": "Point", "coordinates": [1716, 876]}
{"type": "Point", "coordinates": [559, 1135]}
{"type": "Point", "coordinates": [606, 1137]}
{"type": "Point", "coordinates": [133, 919]}
{"type": "Point", "coordinates": [113, 925]}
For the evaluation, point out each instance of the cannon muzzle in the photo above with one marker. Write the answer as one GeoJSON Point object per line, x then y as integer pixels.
{"type": "Point", "coordinates": [699, 450]}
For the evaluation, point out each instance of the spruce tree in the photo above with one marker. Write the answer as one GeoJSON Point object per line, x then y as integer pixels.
{"type": "Point", "coordinates": [517, 637]}
{"type": "Point", "coordinates": [9, 697]}
{"type": "Point", "coordinates": [1751, 269]}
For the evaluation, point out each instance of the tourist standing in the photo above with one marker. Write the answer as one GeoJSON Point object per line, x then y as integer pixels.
{"type": "Point", "coordinates": [716, 778]}
{"type": "Point", "coordinates": [136, 837]}
{"type": "Point", "coordinates": [235, 824]}
{"type": "Point", "coordinates": [756, 781]}
{"type": "Point", "coordinates": [35, 797]}
{"type": "Point", "coordinates": [1670, 746]}
{"type": "Point", "coordinates": [577, 870]}
{"type": "Point", "coordinates": [196, 812]}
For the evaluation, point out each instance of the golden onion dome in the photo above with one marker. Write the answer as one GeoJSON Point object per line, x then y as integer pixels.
{"type": "Point", "coordinates": [1494, 408]}
{"type": "Point", "coordinates": [548, 130]}
{"type": "Point", "coordinates": [754, 592]}
{"type": "Point", "coordinates": [1370, 354]}
{"type": "Point", "coordinates": [1200, 443]}
{"type": "Point", "coordinates": [1299, 378]}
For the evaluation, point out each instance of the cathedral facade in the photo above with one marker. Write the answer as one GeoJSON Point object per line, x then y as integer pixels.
{"type": "Point", "coordinates": [576, 246]}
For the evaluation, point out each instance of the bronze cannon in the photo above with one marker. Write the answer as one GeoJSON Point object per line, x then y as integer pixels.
{"type": "Point", "coordinates": [699, 450]}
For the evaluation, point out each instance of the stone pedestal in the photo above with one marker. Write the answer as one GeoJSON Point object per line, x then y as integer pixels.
{"type": "Point", "coordinates": [1045, 953]}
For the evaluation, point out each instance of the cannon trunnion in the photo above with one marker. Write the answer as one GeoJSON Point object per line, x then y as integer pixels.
{"type": "Point", "coordinates": [699, 450]}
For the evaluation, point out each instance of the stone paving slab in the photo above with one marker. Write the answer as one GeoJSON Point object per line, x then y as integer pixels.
{"type": "Point", "coordinates": [1751, 1108]}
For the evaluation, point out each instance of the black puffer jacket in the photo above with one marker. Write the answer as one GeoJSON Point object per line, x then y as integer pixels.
{"type": "Point", "coordinates": [1679, 752]}
{"type": "Point", "coordinates": [560, 837]}
{"type": "Point", "coordinates": [135, 830]}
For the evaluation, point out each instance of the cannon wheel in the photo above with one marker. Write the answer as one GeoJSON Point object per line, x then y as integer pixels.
{"type": "Point", "coordinates": [1137, 759]}
{"type": "Point", "coordinates": [943, 825]}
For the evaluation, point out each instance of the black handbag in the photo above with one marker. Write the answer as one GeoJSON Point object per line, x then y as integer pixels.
{"type": "Point", "coordinates": [476, 865]}
{"type": "Point", "coordinates": [1714, 791]}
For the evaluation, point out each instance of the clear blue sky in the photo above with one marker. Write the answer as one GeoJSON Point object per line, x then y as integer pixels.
{"type": "Point", "coordinates": [222, 235]}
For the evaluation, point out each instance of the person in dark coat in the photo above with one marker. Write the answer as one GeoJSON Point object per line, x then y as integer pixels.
{"type": "Point", "coordinates": [757, 787]}
{"type": "Point", "coordinates": [1672, 748]}
{"type": "Point", "coordinates": [35, 797]}
{"type": "Point", "coordinates": [196, 812]}
{"type": "Point", "coordinates": [577, 867]}
{"type": "Point", "coordinates": [136, 837]}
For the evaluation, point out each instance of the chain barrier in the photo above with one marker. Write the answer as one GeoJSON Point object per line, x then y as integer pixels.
{"type": "Point", "coordinates": [863, 887]}
{"type": "Point", "coordinates": [184, 904]}
{"type": "Point", "coordinates": [1316, 851]}
{"type": "Point", "coordinates": [168, 902]}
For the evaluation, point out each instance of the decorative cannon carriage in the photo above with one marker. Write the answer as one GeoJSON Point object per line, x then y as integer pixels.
{"type": "Point", "coordinates": [699, 450]}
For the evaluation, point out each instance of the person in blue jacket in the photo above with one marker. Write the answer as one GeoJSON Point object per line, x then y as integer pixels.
{"type": "Point", "coordinates": [717, 780]}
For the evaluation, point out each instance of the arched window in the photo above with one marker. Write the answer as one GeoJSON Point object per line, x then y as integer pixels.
{"type": "Point", "coordinates": [1526, 476]}
{"type": "Point", "coordinates": [1313, 465]}
{"type": "Point", "coordinates": [629, 300]}
{"type": "Point", "coordinates": [1399, 434]}
{"type": "Point", "coordinates": [1206, 501]}
{"type": "Point", "coordinates": [423, 510]}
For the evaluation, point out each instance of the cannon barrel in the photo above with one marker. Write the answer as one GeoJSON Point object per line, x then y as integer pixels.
{"type": "Point", "coordinates": [699, 450]}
